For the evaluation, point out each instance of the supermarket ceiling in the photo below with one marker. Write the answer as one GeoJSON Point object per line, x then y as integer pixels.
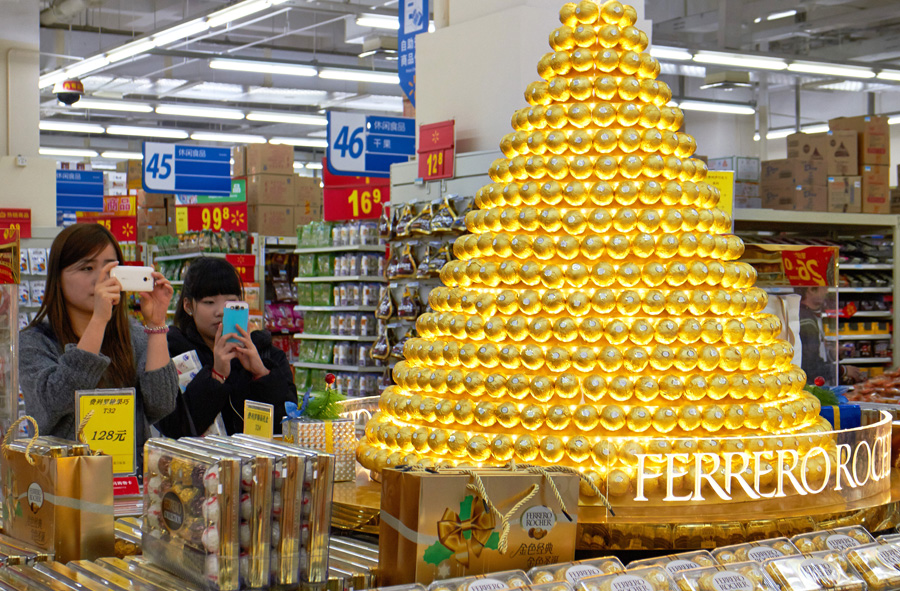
{"type": "Point", "coordinates": [274, 94]}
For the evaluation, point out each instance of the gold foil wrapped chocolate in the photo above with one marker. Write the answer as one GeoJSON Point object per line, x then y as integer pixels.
{"type": "Point", "coordinates": [815, 571]}
{"type": "Point", "coordinates": [742, 576]}
{"type": "Point", "coordinates": [495, 581]}
{"type": "Point", "coordinates": [572, 572]}
{"type": "Point", "coordinates": [839, 539]}
{"type": "Point", "coordinates": [755, 551]}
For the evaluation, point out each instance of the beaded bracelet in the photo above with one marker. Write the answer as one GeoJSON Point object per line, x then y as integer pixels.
{"type": "Point", "coordinates": [156, 329]}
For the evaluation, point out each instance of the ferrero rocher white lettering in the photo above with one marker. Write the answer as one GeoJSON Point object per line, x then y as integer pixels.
{"type": "Point", "coordinates": [630, 583]}
{"type": "Point", "coordinates": [731, 581]}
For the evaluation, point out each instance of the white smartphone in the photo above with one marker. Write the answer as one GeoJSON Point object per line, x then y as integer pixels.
{"type": "Point", "coordinates": [133, 278]}
{"type": "Point", "coordinates": [235, 314]}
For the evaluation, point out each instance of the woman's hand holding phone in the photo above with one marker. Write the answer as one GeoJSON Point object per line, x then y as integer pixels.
{"type": "Point", "coordinates": [154, 304]}
{"type": "Point", "coordinates": [248, 355]}
{"type": "Point", "coordinates": [223, 352]}
{"type": "Point", "coordinates": [107, 294]}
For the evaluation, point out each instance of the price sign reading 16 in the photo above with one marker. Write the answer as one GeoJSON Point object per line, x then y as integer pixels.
{"type": "Point", "coordinates": [350, 142]}
{"type": "Point", "coordinates": [364, 201]}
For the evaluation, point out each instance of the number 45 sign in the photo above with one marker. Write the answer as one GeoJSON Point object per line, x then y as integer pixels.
{"type": "Point", "coordinates": [169, 168]}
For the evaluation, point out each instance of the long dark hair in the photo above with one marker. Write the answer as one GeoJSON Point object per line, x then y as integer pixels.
{"type": "Point", "coordinates": [75, 243]}
{"type": "Point", "coordinates": [206, 277]}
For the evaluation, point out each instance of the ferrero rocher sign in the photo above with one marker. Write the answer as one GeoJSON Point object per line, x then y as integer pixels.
{"type": "Point", "coordinates": [597, 315]}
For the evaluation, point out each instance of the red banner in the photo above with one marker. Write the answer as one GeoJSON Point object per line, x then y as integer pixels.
{"type": "Point", "coordinates": [126, 486]}
{"type": "Point", "coordinates": [9, 256]}
{"type": "Point", "coordinates": [245, 264]}
{"type": "Point", "coordinates": [122, 227]}
{"type": "Point", "coordinates": [18, 219]}
{"type": "Point", "coordinates": [809, 266]}
{"type": "Point", "coordinates": [353, 197]}
{"type": "Point", "coordinates": [437, 146]}
{"type": "Point", "coordinates": [225, 217]}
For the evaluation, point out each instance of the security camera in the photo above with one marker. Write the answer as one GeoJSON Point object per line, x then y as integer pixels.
{"type": "Point", "coordinates": [69, 91]}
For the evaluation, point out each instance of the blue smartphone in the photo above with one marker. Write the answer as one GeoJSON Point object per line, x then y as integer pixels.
{"type": "Point", "coordinates": [236, 314]}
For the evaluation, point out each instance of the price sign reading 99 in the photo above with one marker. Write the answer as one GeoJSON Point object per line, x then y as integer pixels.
{"type": "Point", "coordinates": [230, 217]}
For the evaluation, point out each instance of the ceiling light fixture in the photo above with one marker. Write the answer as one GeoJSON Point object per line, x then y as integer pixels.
{"type": "Point", "coordinates": [300, 142]}
{"type": "Point", "coordinates": [236, 11]}
{"type": "Point", "coordinates": [262, 67]}
{"type": "Point", "coordinates": [889, 75]}
{"type": "Point", "coordinates": [778, 15]}
{"type": "Point", "coordinates": [894, 120]}
{"type": "Point", "coordinates": [294, 118]}
{"type": "Point", "coordinates": [70, 126]}
{"type": "Point", "coordinates": [360, 76]}
{"type": "Point", "coordinates": [179, 32]}
{"type": "Point", "coordinates": [831, 70]}
{"type": "Point", "coordinates": [314, 165]}
{"type": "Point", "coordinates": [378, 21]}
{"type": "Point", "coordinates": [88, 65]}
{"type": "Point", "coordinates": [198, 111]}
{"type": "Point", "coordinates": [175, 134]}
{"type": "Point", "coordinates": [130, 50]}
{"type": "Point", "coordinates": [102, 105]}
{"type": "Point", "coordinates": [676, 54]}
{"type": "Point", "coordinates": [228, 138]}
{"type": "Point", "coordinates": [815, 128]}
{"type": "Point", "coordinates": [95, 165]}
{"type": "Point", "coordinates": [72, 152]}
{"type": "Point", "coordinates": [710, 107]}
{"type": "Point", "coordinates": [741, 61]}
{"type": "Point", "coordinates": [115, 155]}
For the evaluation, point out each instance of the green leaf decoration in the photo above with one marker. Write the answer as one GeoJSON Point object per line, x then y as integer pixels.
{"type": "Point", "coordinates": [493, 542]}
{"type": "Point", "coordinates": [325, 406]}
{"type": "Point", "coordinates": [438, 553]}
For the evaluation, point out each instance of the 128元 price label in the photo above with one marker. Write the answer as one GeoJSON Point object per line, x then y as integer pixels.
{"type": "Point", "coordinates": [111, 426]}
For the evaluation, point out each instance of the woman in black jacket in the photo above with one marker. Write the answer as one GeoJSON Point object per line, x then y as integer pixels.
{"type": "Point", "coordinates": [236, 367]}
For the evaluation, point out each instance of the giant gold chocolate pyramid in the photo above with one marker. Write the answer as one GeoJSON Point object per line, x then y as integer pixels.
{"type": "Point", "coordinates": [597, 310]}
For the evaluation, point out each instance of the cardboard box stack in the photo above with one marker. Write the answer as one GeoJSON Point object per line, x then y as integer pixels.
{"type": "Point", "coordinates": [155, 212]}
{"type": "Point", "coordinates": [277, 199]}
{"type": "Point", "coordinates": [795, 183]}
{"type": "Point", "coordinates": [746, 179]}
{"type": "Point", "coordinates": [873, 141]}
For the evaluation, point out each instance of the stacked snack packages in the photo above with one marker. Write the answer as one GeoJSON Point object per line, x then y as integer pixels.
{"type": "Point", "coordinates": [229, 513]}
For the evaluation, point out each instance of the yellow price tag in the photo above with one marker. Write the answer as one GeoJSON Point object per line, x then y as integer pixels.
{"type": "Point", "coordinates": [181, 220]}
{"type": "Point", "coordinates": [723, 180]}
{"type": "Point", "coordinates": [111, 428]}
{"type": "Point", "coordinates": [258, 419]}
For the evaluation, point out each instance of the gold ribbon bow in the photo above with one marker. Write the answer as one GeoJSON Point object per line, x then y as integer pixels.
{"type": "Point", "coordinates": [452, 530]}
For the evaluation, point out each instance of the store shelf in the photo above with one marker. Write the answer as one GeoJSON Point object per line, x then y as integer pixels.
{"type": "Point", "coordinates": [189, 255]}
{"type": "Point", "coordinates": [863, 314]}
{"type": "Point", "coordinates": [860, 337]}
{"type": "Point", "coordinates": [174, 282]}
{"type": "Point", "coordinates": [865, 267]}
{"type": "Point", "coordinates": [374, 278]}
{"type": "Point", "coordinates": [862, 290]}
{"type": "Point", "coordinates": [865, 360]}
{"type": "Point", "coordinates": [380, 248]}
{"type": "Point", "coordinates": [335, 308]}
{"type": "Point", "coordinates": [280, 241]}
{"type": "Point", "coordinates": [335, 337]}
{"type": "Point", "coordinates": [356, 368]}
{"type": "Point", "coordinates": [767, 219]}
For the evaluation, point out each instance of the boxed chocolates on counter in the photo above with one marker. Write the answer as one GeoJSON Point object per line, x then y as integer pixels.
{"type": "Point", "coordinates": [70, 577]}
{"type": "Point", "coordinates": [755, 551]}
{"type": "Point", "coordinates": [572, 572]}
{"type": "Point", "coordinates": [840, 539]}
{"type": "Point", "coordinates": [555, 586]}
{"type": "Point", "coordinates": [676, 563]}
{"type": "Point", "coordinates": [336, 437]}
{"type": "Point", "coordinates": [509, 579]}
{"type": "Point", "coordinates": [742, 576]}
{"type": "Point", "coordinates": [814, 572]}
{"type": "Point", "coordinates": [651, 578]}
{"type": "Point", "coordinates": [192, 513]}
{"type": "Point", "coordinates": [878, 563]}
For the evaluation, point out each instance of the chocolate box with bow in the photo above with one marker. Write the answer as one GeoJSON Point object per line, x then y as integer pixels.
{"type": "Point", "coordinates": [448, 523]}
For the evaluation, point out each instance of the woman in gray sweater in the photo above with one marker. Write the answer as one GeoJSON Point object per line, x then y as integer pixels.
{"type": "Point", "coordinates": [82, 338]}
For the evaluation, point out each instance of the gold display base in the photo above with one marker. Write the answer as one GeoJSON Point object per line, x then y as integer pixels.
{"type": "Point", "coordinates": [357, 506]}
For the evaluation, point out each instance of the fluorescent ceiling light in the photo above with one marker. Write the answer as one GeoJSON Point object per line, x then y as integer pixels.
{"type": "Point", "coordinates": [670, 53]}
{"type": "Point", "coordinates": [89, 103]}
{"type": "Point", "coordinates": [102, 165]}
{"type": "Point", "coordinates": [777, 15]}
{"type": "Point", "coordinates": [87, 65]}
{"type": "Point", "coordinates": [130, 50]}
{"type": "Point", "coordinates": [832, 70]}
{"type": "Point", "coordinates": [51, 79]}
{"type": "Point", "coordinates": [198, 111]}
{"type": "Point", "coordinates": [236, 11]}
{"type": "Point", "coordinates": [894, 120]}
{"type": "Point", "coordinates": [741, 61]}
{"type": "Point", "coordinates": [179, 32]}
{"type": "Point", "coordinates": [175, 134]}
{"type": "Point", "coordinates": [360, 76]}
{"type": "Point", "coordinates": [816, 128]}
{"type": "Point", "coordinates": [377, 21]}
{"type": "Point", "coordinates": [229, 138]}
{"type": "Point", "coordinates": [300, 141]}
{"type": "Point", "coordinates": [729, 108]}
{"type": "Point", "coordinates": [314, 166]}
{"type": "Point", "coordinates": [70, 126]}
{"type": "Point", "coordinates": [298, 165]}
{"type": "Point", "coordinates": [262, 67]}
{"type": "Point", "coordinates": [114, 155]}
{"type": "Point", "coordinates": [775, 134]}
{"type": "Point", "coordinates": [889, 75]}
{"type": "Point", "coordinates": [73, 152]}
{"type": "Point", "coordinates": [296, 119]}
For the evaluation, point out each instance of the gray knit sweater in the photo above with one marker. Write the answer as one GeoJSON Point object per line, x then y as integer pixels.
{"type": "Point", "coordinates": [48, 380]}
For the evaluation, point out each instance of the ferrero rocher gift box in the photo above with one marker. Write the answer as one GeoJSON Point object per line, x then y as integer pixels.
{"type": "Point", "coordinates": [60, 501]}
{"type": "Point", "coordinates": [337, 437]}
{"type": "Point", "coordinates": [449, 523]}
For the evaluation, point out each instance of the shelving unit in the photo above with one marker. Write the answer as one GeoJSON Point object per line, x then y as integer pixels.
{"type": "Point", "coordinates": [40, 238]}
{"type": "Point", "coordinates": [327, 367]}
{"type": "Point", "coordinates": [335, 308]}
{"type": "Point", "coordinates": [187, 255]}
{"type": "Point", "coordinates": [335, 337]}
{"type": "Point", "coordinates": [341, 249]}
{"type": "Point", "coordinates": [363, 278]}
{"type": "Point", "coordinates": [860, 337]}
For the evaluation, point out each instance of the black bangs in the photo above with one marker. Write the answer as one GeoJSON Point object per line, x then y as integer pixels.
{"type": "Point", "coordinates": [207, 277]}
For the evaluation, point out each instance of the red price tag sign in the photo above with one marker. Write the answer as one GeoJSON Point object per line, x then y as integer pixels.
{"type": "Point", "coordinates": [17, 219]}
{"type": "Point", "coordinates": [9, 256]}
{"type": "Point", "coordinates": [245, 264]}
{"type": "Point", "coordinates": [126, 486]}
{"type": "Point", "coordinates": [122, 227]}
{"type": "Point", "coordinates": [353, 197]}
{"type": "Point", "coordinates": [437, 147]}
{"type": "Point", "coordinates": [218, 217]}
{"type": "Point", "coordinates": [809, 266]}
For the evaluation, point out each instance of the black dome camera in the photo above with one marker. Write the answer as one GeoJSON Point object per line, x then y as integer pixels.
{"type": "Point", "coordinates": [69, 91]}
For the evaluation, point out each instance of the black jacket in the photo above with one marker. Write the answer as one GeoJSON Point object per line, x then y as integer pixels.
{"type": "Point", "coordinates": [206, 397]}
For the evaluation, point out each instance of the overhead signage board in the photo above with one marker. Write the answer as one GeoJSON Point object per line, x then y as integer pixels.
{"type": "Point", "coordinates": [79, 190]}
{"type": "Point", "coordinates": [366, 145]}
{"type": "Point", "coordinates": [413, 21]}
{"type": "Point", "coordinates": [195, 170]}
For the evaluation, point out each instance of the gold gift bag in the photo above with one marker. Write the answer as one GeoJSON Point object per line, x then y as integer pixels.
{"type": "Point", "coordinates": [62, 504]}
{"type": "Point", "coordinates": [447, 523]}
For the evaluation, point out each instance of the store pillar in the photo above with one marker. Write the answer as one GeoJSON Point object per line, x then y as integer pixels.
{"type": "Point", "coordinates": [28, 181]}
